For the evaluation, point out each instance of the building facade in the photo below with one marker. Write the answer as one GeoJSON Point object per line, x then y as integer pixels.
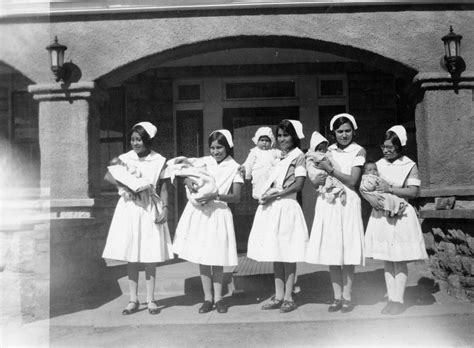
{"type": "Point", "coordinates": [191, 69]}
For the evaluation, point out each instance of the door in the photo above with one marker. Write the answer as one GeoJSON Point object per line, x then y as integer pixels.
{"type": "Point", "coordinates": [243, 122]}
{"type": "Point", "coordinates": [189, 124]}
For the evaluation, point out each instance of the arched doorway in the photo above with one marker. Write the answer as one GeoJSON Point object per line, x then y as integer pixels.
{"type": "Point", "coordinates": [245, 82]}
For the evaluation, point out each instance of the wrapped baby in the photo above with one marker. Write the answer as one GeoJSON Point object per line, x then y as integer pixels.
{"type": "Point", "coordinates": [328, 186]}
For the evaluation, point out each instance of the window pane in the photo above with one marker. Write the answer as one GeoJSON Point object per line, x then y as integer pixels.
{"type": "Point", "coordinates": [4, 99]}
{"type": "Point", "coordinates": [112, 131]}
{"type": "Point", "coordinates": [189, 92]}
{"type": "Point", "coordinates": [25, 152]}
{"type": "Point", "coordinates": [25, 116]}
{"type": "Point", "coordinates": [268, 89]}
{"type": "Point", "coordinates": [332, 88]}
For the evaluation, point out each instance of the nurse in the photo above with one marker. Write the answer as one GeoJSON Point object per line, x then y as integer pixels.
{"type": "Point", "coordinates": [279, 233]}
{"type": "Point", "coordinates": [136, 235]}
{"type": "Point", "coordinates": [205, 232]}
{"type": "Point", "coordinates": [337, 235]}
{"type": "Point", "coordinates": [399, 239]}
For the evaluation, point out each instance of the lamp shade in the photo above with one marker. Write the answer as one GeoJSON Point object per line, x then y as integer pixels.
{"type": "Point", "coordinates": [56, 53]}
{"type": "Point", "coordinates": [452, 44]}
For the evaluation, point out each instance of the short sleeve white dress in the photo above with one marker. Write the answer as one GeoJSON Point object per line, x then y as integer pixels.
{"type": "Point", "coordinates": [337, 235]}
{"type": "Point", "coordinates": [205, 233]}
{"type": "Point", "coordinates": [133, 235]}
{"type": "Point", "coordinates": [279, 232]}
{"type": "Point", "coordinates": [397, 238]}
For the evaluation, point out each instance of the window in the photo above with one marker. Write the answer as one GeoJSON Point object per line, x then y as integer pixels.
{"type": "Point", "coordinates": [25, 152]}
{"type": "Point", "coordinates": [332, 87]}
{"type": "Point", "coordinates": [260, 89]}
{"type": "Point", "coordinates": [4, 95]}
{"type": "Point", "coordinates": [112, 132]}
{"type": "Point", "coordinates": [190, 92]}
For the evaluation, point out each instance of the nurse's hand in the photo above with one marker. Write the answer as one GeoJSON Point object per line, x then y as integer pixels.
{"type": "Point", "coordinates": [375, 201]}
{"type": "Point", "coordinates": [383, 186]}
{"type": "Point", "coordinates": [204, 200]}
{"type": "Point", "coordinates": [191, 185]}
{"type": "Point", "coordinates": [265, 199]}
{"type": "Point", "coordinates": [163, 216]}
{"type": "Point", "coordinates": [324, 165]}
{"type": "Point", "coordinates": [379, 204]}
{"type": "Point", "coordinates": [242, 171]}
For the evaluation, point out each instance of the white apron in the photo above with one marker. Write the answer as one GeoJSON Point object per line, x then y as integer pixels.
{"type": "Point", "coordinates": [396, 238]}
{"type": "Point", "coordinates": [337, 235]}
{"type": "Point", "coordinates": [279, 232]}
{"type": "Point", "coordinates": [133, 235]}
{"type": "Point", "coordinates": [205, 233]}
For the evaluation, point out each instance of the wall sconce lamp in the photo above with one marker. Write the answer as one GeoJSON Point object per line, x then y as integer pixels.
{"type": "Point", "coordinates": [453, 62]}
{"type": "Point", "coordinates": [56, 53]}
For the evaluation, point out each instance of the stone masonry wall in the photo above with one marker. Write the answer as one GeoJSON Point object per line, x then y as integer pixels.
{"type": "Point", "coordinates": [80, 278]}
{"type": "Point", "coordinates": [24, 261]}
{"type": "Point", "coordinates": [450, 245]}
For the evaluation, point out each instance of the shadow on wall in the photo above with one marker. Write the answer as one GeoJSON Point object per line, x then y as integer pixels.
{"type": "Point", "coordinates": [80, 278]}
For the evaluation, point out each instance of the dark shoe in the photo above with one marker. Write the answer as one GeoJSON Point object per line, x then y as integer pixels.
{"type": "Point", "coordinates": [287, 306]}
{"type": "Point", "coordinates": [397, 308]}
{"type": "Point", "coordinates": [386, 309]}
{"type": "Point", "coordinates": [206, 307]}
{"type": "Point", "coordinates": [130, 310]}
{"type": "Point", "coordinates": [335, 306]}
{"type": "Point", "coordinates": [347, 306]}
{"type": "Point", "coordinates": [154, 310]}
{"type": "Point", "coordinates": [221, 307]}
{"type": "Point", "coordinates": [273, 304]}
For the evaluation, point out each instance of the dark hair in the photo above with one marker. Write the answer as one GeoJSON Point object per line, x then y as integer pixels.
{"type": "Point", "coordinates": [340, 121]}
{"type": "Point", "coordinates": [287, 127]}
{"type": "Point", "coordinates": [147, 141]}
{"type": "Point", "coordinates": [369, 161]}
{"type": "Point", "coordinates": [221, 140]}
{"type": "Point", "coordinates": [393, 137]}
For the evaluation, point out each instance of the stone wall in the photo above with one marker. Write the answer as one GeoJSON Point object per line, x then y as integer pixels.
{"type": "Point", "coordinates": [80, 278]}
{"type": "Point", "coordinates": [51, 258]}
{"type": "Point", "coordinates": [24, 260]}
{"type": "Point", "coordinates": [450, 246]}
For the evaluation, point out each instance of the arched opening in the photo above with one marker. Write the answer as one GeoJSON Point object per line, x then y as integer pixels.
{"type": "Point", "coordinates": [244, 82]}
{"type": "Point", "coordinates": [20, 152]}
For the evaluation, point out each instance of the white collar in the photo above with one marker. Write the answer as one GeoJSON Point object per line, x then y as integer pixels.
{"type": "Point", "coordinates": [349, 148]}
{"type": "Point", "coordinates": [152, 156]}
{"type": "Point", "coordinates": [286, 154]}
{"type": "Point", "coordinates": [401, 161]}
{"type": "Point", "coordinates": [224, 162]}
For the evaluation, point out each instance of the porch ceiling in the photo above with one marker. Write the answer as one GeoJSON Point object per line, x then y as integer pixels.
{"type": "Point", "coordinates": [266, 55]}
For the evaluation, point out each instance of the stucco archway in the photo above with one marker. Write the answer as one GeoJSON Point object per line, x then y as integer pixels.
{"type": "Point", "coordinates": [371, 59]}
{"type": "Point", "coordinates": [366, 63]}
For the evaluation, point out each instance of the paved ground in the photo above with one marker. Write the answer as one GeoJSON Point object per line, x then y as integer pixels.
{"type": "Point", "coordinates": [432, 317]}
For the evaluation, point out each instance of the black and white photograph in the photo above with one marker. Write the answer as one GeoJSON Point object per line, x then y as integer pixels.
{"type": "Point", "coordinates": [236, 173]}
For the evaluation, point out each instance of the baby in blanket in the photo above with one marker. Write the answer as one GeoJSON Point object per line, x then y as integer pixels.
{"type": "Point", "coordinates": [193, 168]}
{"type": "Point", "coordinates": [132, 186]}
{"type": "Point", "coordinates": [393, 205]}
{"type": "Point", "coordinates": [261, 160]}
{"type": "Point", "coordinates": [127, 175]}
{"type": "Point", "coordinates": [328, 186]}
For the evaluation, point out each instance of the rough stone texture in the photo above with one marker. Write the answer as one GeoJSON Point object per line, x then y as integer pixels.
{"type": "Point", "coordinates": [24, 265]}
{"type": "Point", "coordinates": [80, 278]}
{"type": "Point", "coordinates": [451, 255]}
